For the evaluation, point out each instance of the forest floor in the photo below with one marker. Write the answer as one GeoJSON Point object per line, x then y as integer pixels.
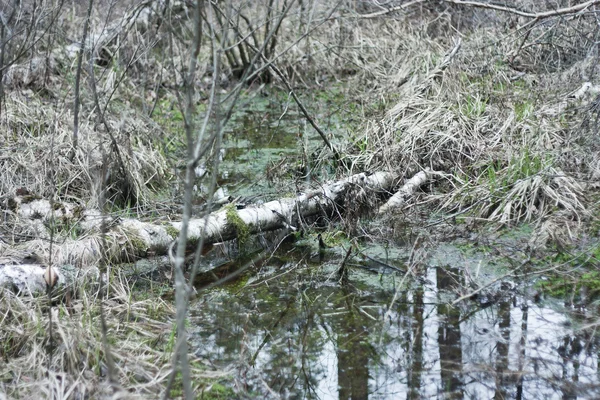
{"type": "Point", "coordinates": [507, 116]}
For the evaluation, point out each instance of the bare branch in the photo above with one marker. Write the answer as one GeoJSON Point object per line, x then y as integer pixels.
{"type": "Point", "coordinates": [527, 14]}
{"type": "Point", "coordinates": [492, 6]}
{"type": "Point", "coordinates": [401, 7]}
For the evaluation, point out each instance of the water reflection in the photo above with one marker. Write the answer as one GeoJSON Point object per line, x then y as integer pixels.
{"type": "Point", "coordinates": [292, 339]}
{"type": "Point", "coordinates": [449, 337]}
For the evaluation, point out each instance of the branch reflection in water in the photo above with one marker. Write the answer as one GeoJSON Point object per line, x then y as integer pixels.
{"type": "Point", "coordinates": [303, 336]}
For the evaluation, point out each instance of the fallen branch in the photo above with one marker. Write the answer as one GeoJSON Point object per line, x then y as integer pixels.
{"type": "Point", "coordinates": [392, 9]}
{"type": "Point", "coordinates": [407, 190]}
{"type": "Point", "coordinates": [527, 14]}
{"type": "Point", "coordinates": [496, 7]}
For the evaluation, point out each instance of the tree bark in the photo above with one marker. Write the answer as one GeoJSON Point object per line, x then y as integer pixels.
{"type": "Point", "coordinates": [131, 239]}
{"type": "Point", "coordinates": [398, 200]}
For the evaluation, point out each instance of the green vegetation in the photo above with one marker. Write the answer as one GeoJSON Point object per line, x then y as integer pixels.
{"type": "Point", "coordinates": [241, 228]}
{"type": "Point", "coordinates": [473, 107]}
{"type": "Point", "coordinates": [64, 227]}
{"type": "Point", "coordinates": [171, 231]}
{"type": "Point", "coordinates": [576, 277]}
{"type": "Point", "coordinates": [217, 391]}
{"type": "Point", "coordinates": [524, 110]}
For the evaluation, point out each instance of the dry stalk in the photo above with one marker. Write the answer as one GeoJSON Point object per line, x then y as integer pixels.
{"type": "Point", "coordinates": [80, 56]}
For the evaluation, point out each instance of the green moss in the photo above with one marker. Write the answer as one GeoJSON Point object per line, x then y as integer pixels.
{"type": "Point", "coordinates": [556, 286]}
{"type": "Point", "coordinates": [216, 391]}
{"type": "Point", "coordinates": [335, 239]}
{"type": "Point", "coordinates": [172, 231]}
{"type": "Point", "coordinates": [583, 274]}
{"type": "Point", "coordinates": [592, 282]}
{"type": "Point", "coordinates": [241, 228]}
{"type": "Point", "coordinates": [238, 284]}
{"type": "Point", "coordinates": [138, 244]}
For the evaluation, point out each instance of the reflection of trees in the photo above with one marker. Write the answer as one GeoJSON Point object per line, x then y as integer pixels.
{"type": "Point", "coordinates": [280, 338]}
{"type": "Point", "coordinates": [292, 334]}
{"type": "Point", "coordinates": [523, 345]}
{"type": "Point", "coordinates": [352, 355]}
{"type": "Point", "coordinates": [449, 338]}
{"type": "Point", "coordinates": [502, 351]}
{"type": "Point", "coordinates": [291, 346]}
{"type": "Point", "coordinates": [272, 332]}
{"type": "Point", "coordinates": [416, 353]}
{"type": "Point", "coordinates": [569, 351]}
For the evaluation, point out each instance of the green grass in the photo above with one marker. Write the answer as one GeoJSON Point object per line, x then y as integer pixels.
{"type": "Point", "coordinates": [473, 107]}
{"type": "Point", "coordinates": [524, 110]}
{"type": "Point", "coordinates": [217, 391]}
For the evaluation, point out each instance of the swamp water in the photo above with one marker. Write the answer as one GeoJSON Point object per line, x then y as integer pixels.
{"type": "Point", "coordinates": [289, 328]}
{"type": "Point", "coordinates": [292, 330]}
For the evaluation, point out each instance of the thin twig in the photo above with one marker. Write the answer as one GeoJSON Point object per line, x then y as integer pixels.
{"type": "Point", "coordinates": [479, 289]}
{"type": "Point", "coordinates": [391, 10]}
{"type": "Point", "coordinates": [528, 14]}
{"type": "Point", "coordinates": [180, 357]}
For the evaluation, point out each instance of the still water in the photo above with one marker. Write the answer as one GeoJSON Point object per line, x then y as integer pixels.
{"type": "Point", "coordinates": [294, 331]}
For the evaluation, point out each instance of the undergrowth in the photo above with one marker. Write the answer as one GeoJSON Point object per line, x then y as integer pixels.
{"type": "Point", "coordinates": [495, 115]}
{"type": "Point", "coordinates": [140, 341]}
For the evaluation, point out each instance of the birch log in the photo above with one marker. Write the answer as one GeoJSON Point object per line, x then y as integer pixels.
{"type": "Point", "coordinates": [407, 190]}
{"type": "Point", "coordinates": [131, 239]}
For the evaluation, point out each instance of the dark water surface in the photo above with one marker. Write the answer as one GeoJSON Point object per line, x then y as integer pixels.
{"type": "Point", "coordinates": [290, 329]}
{"type": "Point", "coordinates": [294, 331]}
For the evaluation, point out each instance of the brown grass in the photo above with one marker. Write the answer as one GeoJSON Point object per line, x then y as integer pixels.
{"type": "Point", "coordinates": [498, 122]}
{"type": "Point", "coordinates": [140, 336]}
{"type": "Point", "coordinates": [510, 141]}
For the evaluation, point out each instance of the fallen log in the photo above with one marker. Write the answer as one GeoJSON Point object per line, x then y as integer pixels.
{"type": "Point", "coordinates": [407, 190]}
{"type": "Point", "coordinates": [130, 239]}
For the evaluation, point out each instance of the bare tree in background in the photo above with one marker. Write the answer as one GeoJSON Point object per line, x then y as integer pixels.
{"type": "Point", "coordinates": [80, 56]}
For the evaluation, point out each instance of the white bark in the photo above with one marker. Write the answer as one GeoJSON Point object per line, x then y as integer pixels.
{"type": "Point", "coordinates": [132, 239]}
{"type": "Point", "coordinates": [29, 278]}
{"type": "Point", "coordinates": [407, 190]}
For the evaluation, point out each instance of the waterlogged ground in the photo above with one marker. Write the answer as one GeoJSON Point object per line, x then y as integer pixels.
{"type": "Point", "coordinates": [270, 141]}
{"type": "Point", "coordinates": [291, 329]}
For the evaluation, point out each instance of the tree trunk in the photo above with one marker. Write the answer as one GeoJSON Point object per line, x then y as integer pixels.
{"type": "Point", "coordinates": [130, 239]}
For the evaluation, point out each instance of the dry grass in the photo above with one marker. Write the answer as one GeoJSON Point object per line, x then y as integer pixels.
{"type": "Point", "coordinates": [37, 139]}
{"type": "Point", "coordinates": [38, 158]}
{"type": "Point", "coordinates": [510, 141]}
{"type": "Point", "coordinates": [501, 127]}
{"type": "Point", "coordinates": [140, 334]}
